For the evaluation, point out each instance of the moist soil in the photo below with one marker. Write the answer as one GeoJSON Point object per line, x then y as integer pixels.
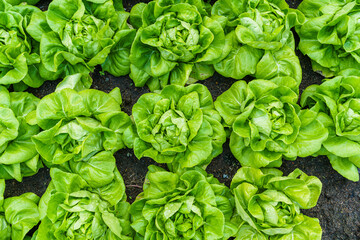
{"type": "Point", "coordinates": [338, 208]}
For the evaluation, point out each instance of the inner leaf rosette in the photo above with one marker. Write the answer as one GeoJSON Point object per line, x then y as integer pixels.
{"type": "Point", "coordinates": [75, 36]}
{"type": "Point", "coordinates": [79, 125]}
{"type": "Point", "coordinates": [259, 41]}
{"type": "Point", "coordinates": [338, 99]}
{"type": "Point", "coordinates": [178, 126]}
{"type": "Point", "coordinates": [266, 123]}
{"type": "Point", "coordinates": [330, 35]}
{"type": "Point", "coordinates": [269, 204]}
{"type": "Point", "coordinates": [176, 43]}
{"type": "Point", "coordinates": [191, 205]}
{"type": "Point", "coordinates": [18, 155]}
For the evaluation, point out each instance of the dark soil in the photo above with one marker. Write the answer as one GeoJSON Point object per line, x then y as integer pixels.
{"type": "Point", "coordinates": [339, 205]}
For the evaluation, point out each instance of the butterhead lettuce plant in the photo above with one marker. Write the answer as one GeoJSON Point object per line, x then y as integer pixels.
{"type": "Point", "coordinates": [18, 215]}
{"type": "Point", "coordinates": [330, 35]}
{"type": "Point", "coordinates": [190, 205]}
{"type": "Point", "coordinates": [75, 36]}
{"type": "Point", "coordinates": [178, 126]}
{"type": "Point", "coordinates": [18, 155]}
{"type": "Point", "coordinates": [269, 204]}
{"type": "Point", "coordinates": [338, 99]}
{"type": "Point", "coordinates": [19, 60]}
{"type": "Point", "coordinates": [176, 43]}
{"type": "Point", "coordinates": [266, 123]}
{"type": "Point", "coordinates": [259, 41]}
{"type": "Point", "coordinates": [78, 125]}
{"type": "Point", "coordinates": [71, 209]}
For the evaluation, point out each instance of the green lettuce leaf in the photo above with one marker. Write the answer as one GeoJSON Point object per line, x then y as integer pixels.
{"type": "Point", "coordinates": [78, 125]}
{"type": "Point", "coordinates": [72, 208]}
{"type": "Point", "coordinates": [266, 123]}
{"type": "Point", "coordinates": [178, 126]}
{"type": "Point", "coordinates": [18, 215]}
{"type": "Point", "coordinates": [330, 35]}
{"type": "Point", "coordinates": [258, 41]}
{"type": "Point", "coordinates": [176, 43]}
{"type": "Point", "coordinates": [189, 205]}
{"type": "Point", "coordinates": [269, 204]}
{"type": "Point", "coordinates": [75, 36]}
{"type": "Point", "coordinates": [338, 101]}
{"type": "Point", "coordinates": [17, 2]}
{"type": "Point", "coordinates": [18, 155]}
{"type": "Point", "coordinates": [19, 60]}
{"type": "Point", "coordinates": [78, 82]}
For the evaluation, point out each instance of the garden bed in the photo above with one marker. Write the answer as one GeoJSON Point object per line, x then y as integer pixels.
{"type": "Point", "coordinates": [338, 208]}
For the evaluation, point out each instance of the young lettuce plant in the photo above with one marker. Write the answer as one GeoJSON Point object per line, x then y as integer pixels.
{"type": "Point", "coordinates": [18, 155]}
{"type": "Point", "coordinates": [18, 215]}
{"type": "Point", "coordinates": [190, 205]}
{"type": "Point", "coordinates": [75, 36]}
{"type": "Point", "coordinates": [20, 58]}
{"type": "Point", "coordinates": [79, 125]}
{"type": "Point", "coordinates": [266, 123]}
{"type": "Point", "coordinates": [178, 126]}
{"type": "Point", "coordinates": [259, 41]}
{"type": "Point", "coordinates": [269, 204]}
{"type": "Point", "coordinates": [176, 43]}
{"type": "Point", "coordinates": [339, 100]}
{"type": "Point", "coordinates": [330, 35]}
{"type": "Point", "coordinates": [71, 209]}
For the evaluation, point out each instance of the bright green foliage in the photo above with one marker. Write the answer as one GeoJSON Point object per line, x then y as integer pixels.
{"type": "Point", "coordinates": [191, 205]}
{"type": "Point", "coordinates": [78, 82]}
{"type": "Point", "coordinates": [176, 43]}
{"type": "Point", "coordinates": [338, 99]}
{"type": "Point", "coordinates": [18, 215]}
{"type": "Point", "coordinates": [78, 125]}
{"type": "Point", "coordinates": [259, 41]}
{"type": "Point", "coordinates": [18, 156]}
{"type": "Point", "coordinates": [269, 204]}
{"type": "Point", "coordinates": [178, 126]}
{"type": "Point", "coordinates": [266, 123]}
{"type": "Point", "coordinates": [16, 2]}
{"type": "Point", "coordinates": [19, 58]}
{"type": "Point", "coordinates": [330, 35]}
{"type": "Point", "coordinates": [75, 36]}
{"type": "Point", "coordinates": [72, 209]}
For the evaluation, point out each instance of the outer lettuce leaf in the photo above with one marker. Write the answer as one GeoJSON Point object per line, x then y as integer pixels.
{"type": "Point", "coordinates": [270, 204]}
{"type": "Point", "coordinates": [72, 208]}
{"type": "Point", "coordinates": [259, 41]}
{"type": "Point", "coordinates": [22, 214]}
{"type": "Point", "coordinates": [330, 35]}
{"type": "Point", "coordinates": [18, 155]}
{"type": "Point", "coordinates": [189, 205]}
{"type": "Point", "coordinates": [178, 126]}
{"type": "Point", "coordinates": [266, 123]}
{"type": "Point", "coordinates": [338, 101]}
{"type": "Point", "coordinates": [176, 43]}
{"type": "Point", "coordinates": [309, 229]}
{"type": "Point", "coordinates": [19, 61]}
{"type": "Point", "coordinates": [313, 133]}
{"type": "Point", "coordinates": [18, 215]}
{"type": "Point", "coordinates": [75, 36]}
{"type": "Point", "coordinates": [78, 82]}
{"type": "Point", "coordinates": [17, 2]}
{"type": "Point", "coordinates": [78, 125]}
